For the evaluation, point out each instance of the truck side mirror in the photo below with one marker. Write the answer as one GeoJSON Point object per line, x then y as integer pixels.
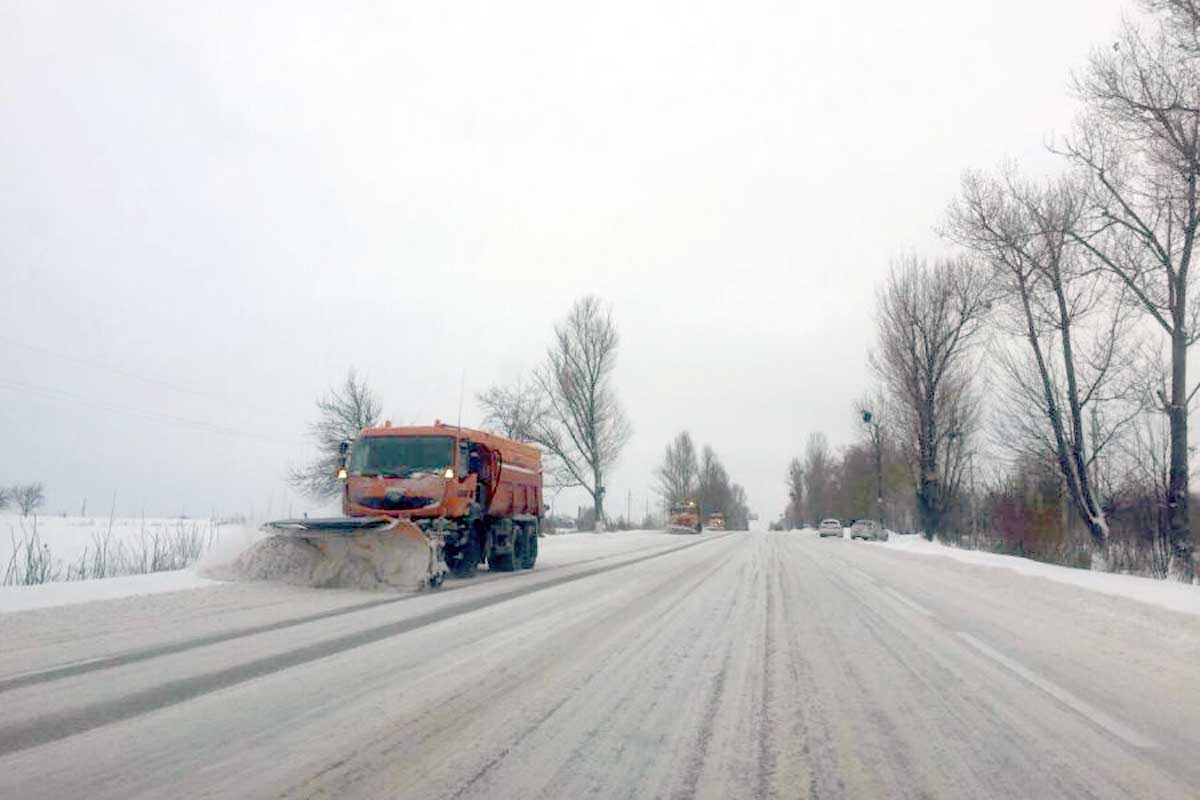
{"type": "Point", "coordinates": [344, 448]}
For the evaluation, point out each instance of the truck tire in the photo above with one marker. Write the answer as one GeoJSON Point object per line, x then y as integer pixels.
{"type": "Point", "coordinates": [529, 553]}
{"type": "Point", "coordinates": [501, 562]}
{"type": "Point", "coordinates": [463, 560]}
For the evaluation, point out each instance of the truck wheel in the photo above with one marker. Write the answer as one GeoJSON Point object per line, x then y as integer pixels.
{"type": "Point", "coordinates": [501, 563]}
{"type": "Point", "coordinates": [464, 559]}
{"type": "Point", "coordinates": [529, 554]}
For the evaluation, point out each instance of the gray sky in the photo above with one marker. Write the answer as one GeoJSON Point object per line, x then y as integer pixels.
{"type": "Point", "coordinates": [211, 210]}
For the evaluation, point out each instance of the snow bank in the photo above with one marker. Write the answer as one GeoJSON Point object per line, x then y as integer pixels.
{"type": "Point", "coordinates": [23, 598]}
{"type": "Point", "coordinates": [1167, 594]}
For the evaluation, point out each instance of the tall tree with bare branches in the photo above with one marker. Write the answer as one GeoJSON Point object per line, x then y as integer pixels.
{"type": "Point", "coordinates": [341, 414]}
{"type": "Point", "coordinates": [794, 514]}
{"type": "Point", "coordinates": [819, 477]}
{"type": "Point", "coordinates": [712, 484]}
{"type": "Point", "coordinates": [1138, 147]}
{"type": "Point", "coordinates": [928, 316]}
{"type": "Point", "coordinates": [679, 470]}
{"type": "Point", "coordinates": [584, 427]}
{"type": "Point", "coordinates": [1072, 322]}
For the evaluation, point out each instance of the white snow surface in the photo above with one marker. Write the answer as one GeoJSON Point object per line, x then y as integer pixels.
{"type": "Point", "coordinates": [1168, 594]}
{"type": "Point", "coordinates": [24, 598]}
{"type": "Point", "coordinates": [70, 537]}
{"type": "Point", "coordinates": [739, 666]}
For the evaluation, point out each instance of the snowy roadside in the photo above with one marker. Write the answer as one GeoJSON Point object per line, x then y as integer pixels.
{"type": "Point", "coordinates": [1170, 595]}
{"type": "Point", "coordinates": [46, 595]}
{"type": "Point", "coordinates": [555, 551]}
{"type": "Point", "coordinates": [233, 540]}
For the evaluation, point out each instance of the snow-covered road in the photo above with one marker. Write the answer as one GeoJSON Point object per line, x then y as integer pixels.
{"type": "Point", "coordinates": [725, 666]}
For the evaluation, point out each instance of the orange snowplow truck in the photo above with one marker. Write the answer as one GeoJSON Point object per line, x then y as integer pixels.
{"type": "Point", "coordinates": [475, 495]}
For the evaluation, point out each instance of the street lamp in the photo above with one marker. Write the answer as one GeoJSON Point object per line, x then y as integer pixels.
{"type": "Point", "coordinates": [877, 441]}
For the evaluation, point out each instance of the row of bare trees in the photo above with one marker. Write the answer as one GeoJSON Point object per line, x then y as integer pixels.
{"type": "Point", "coordinates": [864, 480]}
{"type": "Point", "coordinates": [685, 477]}
{"type": "Point", "coordinates": [1065, 316]}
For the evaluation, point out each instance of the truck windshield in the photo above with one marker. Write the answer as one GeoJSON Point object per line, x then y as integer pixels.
{"type": "Point", "coordinates": [401, 456]}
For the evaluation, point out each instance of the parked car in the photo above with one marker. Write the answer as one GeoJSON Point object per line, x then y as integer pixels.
{"type": "Point", "coordinates": [868, 529]}
{"type": "Point", "coordinates": [830, 527]}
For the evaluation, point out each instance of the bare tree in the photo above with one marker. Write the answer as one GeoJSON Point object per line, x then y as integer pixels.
{"type": "Point", "coordinates": [794, 515]}
{"type": "Point", "coordinates": [5, 498]}
{"type": "Point", "coordinates": [1147, 474]}
{"type": "Point", "coordinates": [1181, 20]}
{"type": "Point", "coordinates": [341, 414]}
{"type": "Point", "coordinates": [1138, 148]}
{"type": "Point", "coordinates": [677, 475]}
{"type": "Point", "coordinates": [712, 489]}
{"type": "Point", "coordinates": [927, 317]}
{"type": "Point", "coordinates": [1055, 298]}
{"type": "Point", "coordinates": [737, 515]}
{"type": "Point", "coordinates": [818, 475]}
{"type": "Point", "coordinates": [28, 497]}
{"type": "Point", "coordinates": [513, 411]}
{"type": "Point", "coordinates": [584, 427]}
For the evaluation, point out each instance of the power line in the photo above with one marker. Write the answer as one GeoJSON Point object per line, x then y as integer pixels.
{"type": "Point", "coordinates": [125, 373]}
{"type": "Point", "coordinates": [200, 426]}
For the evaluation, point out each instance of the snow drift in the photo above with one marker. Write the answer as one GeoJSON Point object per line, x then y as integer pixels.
{"type": "Point", "coordinates": [367, 560]}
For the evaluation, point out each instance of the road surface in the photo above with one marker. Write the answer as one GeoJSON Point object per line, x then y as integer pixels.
{"type": "Point", "coordinates": [724, 666]}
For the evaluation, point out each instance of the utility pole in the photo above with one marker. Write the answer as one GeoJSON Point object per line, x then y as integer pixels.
{"type": "Point", "coordinates": [877, 441]}
{"type": "Point", "coordinates": [629, 505]}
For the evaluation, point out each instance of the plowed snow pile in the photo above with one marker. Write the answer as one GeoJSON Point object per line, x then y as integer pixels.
{"type": "Point", "coordinates": [362, 561]}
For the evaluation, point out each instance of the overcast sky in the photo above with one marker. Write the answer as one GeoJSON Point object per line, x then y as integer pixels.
{"type": "Point", "coordinates": [211, 210]}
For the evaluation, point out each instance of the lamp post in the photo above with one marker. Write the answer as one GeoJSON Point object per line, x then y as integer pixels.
{"type": "Point", "coordinates": [877, 440]}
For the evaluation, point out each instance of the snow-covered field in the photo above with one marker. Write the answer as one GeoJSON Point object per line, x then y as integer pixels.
{"type": "Point", "coordinates": [70, 539]}
{"type": "Point", "coordinates": [1167, 594]}
{"type": "Point", "coordinates": [126, 549]}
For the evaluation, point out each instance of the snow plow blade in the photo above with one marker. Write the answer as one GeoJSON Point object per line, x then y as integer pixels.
{"type": "Point", "coordinates": [346, 552]}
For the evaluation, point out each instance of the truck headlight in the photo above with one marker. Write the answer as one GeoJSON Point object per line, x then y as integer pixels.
{"type": "Point", "coordinates": [341, 473]}
{"type": "Point", "coordinates": [449, 473]}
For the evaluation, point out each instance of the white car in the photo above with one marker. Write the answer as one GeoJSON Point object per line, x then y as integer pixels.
{"type": "Point", "coordinates": [868, 529]}
{"type": "Point", "coordinates": [830, 527]}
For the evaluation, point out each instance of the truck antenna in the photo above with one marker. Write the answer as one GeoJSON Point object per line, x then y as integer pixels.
{"type": "Point", "coordinates": [462, 386]}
